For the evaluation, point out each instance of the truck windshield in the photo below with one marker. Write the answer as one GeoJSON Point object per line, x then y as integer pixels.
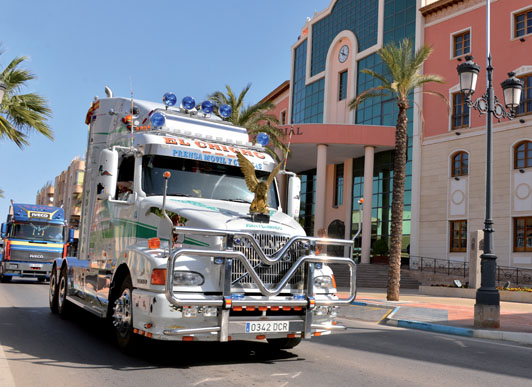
{"type": "Point", "coordinates": [38, 231]}
{"type": "Point", "coordinates": [199, 179]}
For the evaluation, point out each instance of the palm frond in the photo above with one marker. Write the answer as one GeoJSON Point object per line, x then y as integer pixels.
{"type": "Point", "coordinates": [370, 93]}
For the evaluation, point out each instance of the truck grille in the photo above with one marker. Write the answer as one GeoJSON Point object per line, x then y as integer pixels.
{"type": "Point", "coordinates": [34, 256]}
{"type": "Point", "coordinates": [269, 274]}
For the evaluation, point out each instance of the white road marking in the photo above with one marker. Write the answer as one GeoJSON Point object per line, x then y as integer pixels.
{"type": "Point", "coordinates": [6, 378]}
{"type": "Point", "coordinates": [206, 380]}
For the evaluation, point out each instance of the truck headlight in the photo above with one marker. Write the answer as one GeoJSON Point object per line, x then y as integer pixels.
{"type": "Point", "coordinates": [324, 282]}
{"type": "Point", "coordinates": [188, 278]}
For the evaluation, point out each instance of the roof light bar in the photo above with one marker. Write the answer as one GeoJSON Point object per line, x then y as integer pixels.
{"type": "Point", "coordinates": [188, 103]}
{"type": "Point", "coordinates": [169, 99]}
{"type": "Point", "coordinates": [225, 111]}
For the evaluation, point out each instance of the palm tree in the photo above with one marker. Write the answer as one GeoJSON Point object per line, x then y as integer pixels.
{"type": "Point", "coordinates": [20, 114]}
{"type": "Point", "coordinates": [398, 82]}
{"type": "Point", "coordinates": [252, 117]}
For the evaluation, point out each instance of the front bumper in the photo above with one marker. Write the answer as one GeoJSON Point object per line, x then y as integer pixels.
{"type": "Point", "coordinates": [27, 269]}
{"type": "Point", "coordinates": [156, 318]}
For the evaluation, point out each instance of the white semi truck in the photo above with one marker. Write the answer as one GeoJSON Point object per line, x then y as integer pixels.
{"type": "Point", "coordinates": [168, 248]}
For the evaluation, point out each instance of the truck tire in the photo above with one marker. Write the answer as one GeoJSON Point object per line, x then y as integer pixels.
{"type": "Point", "coordinates": [122, 318]}
{"type": "Point", "coordinates": [284, 343]}
{"type": "Point", "coordinates": [63, 305]}
{"type": "Point", "coordinates": [4, 278]}
{"type": "Point", "coordinates": [52, 292]}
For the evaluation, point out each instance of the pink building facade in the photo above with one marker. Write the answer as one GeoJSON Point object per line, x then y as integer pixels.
{"type": "Point", "coordinates": [453, 142]}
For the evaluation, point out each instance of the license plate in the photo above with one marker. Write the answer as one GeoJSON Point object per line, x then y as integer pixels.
{"type": "Point", "coordinates": [36, 267]}
{"type": "Point", "coordinates": [267, 326]}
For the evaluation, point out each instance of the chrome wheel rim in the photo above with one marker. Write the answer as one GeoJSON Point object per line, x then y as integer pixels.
{"type": "Point", "coordinates": [62, 291]}
{"type": "Point", "coordinates": [51, 292]}
{"type": "Point", "coordinates": [122, 313]}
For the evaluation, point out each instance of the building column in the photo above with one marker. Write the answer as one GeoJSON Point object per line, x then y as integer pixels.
{"type": "Point", "coordinates": [321, 185]}
{"type": "Point", "coordinates": [369, 152]}
{"type": "Point", "coordinates": [348, 200]}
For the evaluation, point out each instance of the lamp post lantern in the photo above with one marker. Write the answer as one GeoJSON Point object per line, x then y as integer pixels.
{"type": "Point", "coordinates": [487, 306]}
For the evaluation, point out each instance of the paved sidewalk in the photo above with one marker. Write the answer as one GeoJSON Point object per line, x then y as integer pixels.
{"type": "Point", "coordinates": [440, 314]}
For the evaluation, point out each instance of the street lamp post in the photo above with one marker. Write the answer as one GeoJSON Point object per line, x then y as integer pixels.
{"type": "Point", "coordinates": [487, 306]}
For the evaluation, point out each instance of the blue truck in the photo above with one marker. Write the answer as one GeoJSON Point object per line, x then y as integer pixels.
{"type": "Point", "coordinates": [33, 237]}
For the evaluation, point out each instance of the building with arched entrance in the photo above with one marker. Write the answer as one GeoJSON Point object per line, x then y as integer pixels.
{"type": "Point", "coordinates": [332, 148]}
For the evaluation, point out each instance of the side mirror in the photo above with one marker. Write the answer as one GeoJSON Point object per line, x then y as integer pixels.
{"type": "Point", "coordinates": [70, 235]}
{"type": "Point", "coordinates": [4, 228]}
{"type": "Point", "coordinates": [294, 198]}
{"type": "Point", "coordinates": [107, 174]}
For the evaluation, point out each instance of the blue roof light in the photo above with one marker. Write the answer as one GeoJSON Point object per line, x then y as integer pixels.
{"type": "Point", "coordinates": [263, 139]}
{"type": "Point", "coordinates": [169, 99]}
{"type": "Point", "coordinates": [207, 107]}
{"type": "Point", "coordinates": [188, 103]}
{"type": "Point", "coordinates": [225, 111]}
{"type": "Point", "coordinates": [157, 119]}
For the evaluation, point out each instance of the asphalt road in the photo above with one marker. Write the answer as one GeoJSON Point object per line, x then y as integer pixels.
{"type": "Point", "coordinates": [41, 349]}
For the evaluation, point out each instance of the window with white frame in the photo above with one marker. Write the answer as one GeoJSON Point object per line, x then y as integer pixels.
{"type": "Point", "coordinates": [522, 23]}
{"type": "Point", "coordinates": [462, 43]}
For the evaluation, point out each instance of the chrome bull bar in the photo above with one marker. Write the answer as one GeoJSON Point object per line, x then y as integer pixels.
{"type": "Point", "coordinates": [228, 254]}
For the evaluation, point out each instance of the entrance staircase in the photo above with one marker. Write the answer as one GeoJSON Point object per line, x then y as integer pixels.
{"type": "Point", "coordinates": [371, 276]}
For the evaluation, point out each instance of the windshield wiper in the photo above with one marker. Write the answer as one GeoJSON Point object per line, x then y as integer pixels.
{"type": "Point", "coordinates": [180, 194]}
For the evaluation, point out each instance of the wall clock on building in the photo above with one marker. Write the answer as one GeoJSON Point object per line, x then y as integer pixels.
{"type": "Point", "coordinates": [343, 54]}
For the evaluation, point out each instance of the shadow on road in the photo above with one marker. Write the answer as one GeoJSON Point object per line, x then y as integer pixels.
{"type": "Point", "coordinates": [84, 341]}
{"type": "Point", "coordinates": [447, 350]}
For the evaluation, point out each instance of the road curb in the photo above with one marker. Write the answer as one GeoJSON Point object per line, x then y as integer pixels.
{"type": "Point", "coordinates": [388, 319]}
{"type": "Point", "coordinates": [515, 337]}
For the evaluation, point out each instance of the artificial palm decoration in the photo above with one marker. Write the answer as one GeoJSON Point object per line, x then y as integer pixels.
{"type": "Point", "coordinates": [401, 77]}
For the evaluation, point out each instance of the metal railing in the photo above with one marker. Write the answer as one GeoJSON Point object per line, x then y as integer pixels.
{"type": "Point", "coordinates": [439, 266]}
{"type": "Point", "coordinates": [517, 276]}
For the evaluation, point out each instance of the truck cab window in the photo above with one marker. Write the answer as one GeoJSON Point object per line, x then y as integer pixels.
{"type": "Point", "coordinates": [124, 184]}
{"type": "Point", "coordinates": [199, 179]}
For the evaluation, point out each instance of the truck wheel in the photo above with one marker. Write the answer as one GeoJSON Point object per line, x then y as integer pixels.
{"type": "Point", "coordinates": [63, 305]}
{"type": "Point", "coordinates": [122, 318]}
{"type": "Point", "coordinates": [52, 291]}
{"type": "Point", "coordinates": [4, 278]}
{"type": "Point", "coordinates": [284, 343]}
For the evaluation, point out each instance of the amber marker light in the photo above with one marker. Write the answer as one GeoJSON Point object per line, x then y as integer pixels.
{"type": "Point", "coordinates": [158, 277]}
{"type": "Point", "coordinates": [154, 243]}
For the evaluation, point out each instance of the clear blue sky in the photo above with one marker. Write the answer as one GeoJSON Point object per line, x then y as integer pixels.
{"type": "Point", "coordinates": [188, 47]}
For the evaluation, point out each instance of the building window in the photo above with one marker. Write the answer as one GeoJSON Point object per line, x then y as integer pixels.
{"type": "Point", "coordinates": [523, 155]}
{"type": "Point", "coordinates": [342, 85]}
{"type": "Point", "coordinates": [458, 236]}
{"type": "Point", "coordinates": [460, 117]}
{"type": "Point", "coordinates": [460, 164]}
{"type": "Point", "coordinates": [525, 106]}
{"type": "Point", "coordinates": [461, 44]}
{"type": "Point", "coordinates": [523, 23]}
{"type": "Point", "coordinates": [523, 234]}
{"type": "Point", "coordinates": [338, 185]}
{"type": "Point", "coordinates": [283, 117]}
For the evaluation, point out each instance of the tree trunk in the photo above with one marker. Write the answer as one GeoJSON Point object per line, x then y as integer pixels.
{"type": "Point", "coordinates": [396, 232]}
